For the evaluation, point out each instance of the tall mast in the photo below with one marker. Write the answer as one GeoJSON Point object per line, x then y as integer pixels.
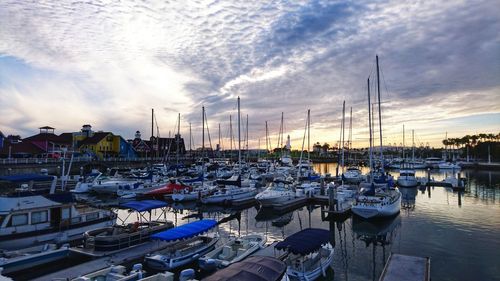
{"type": "Point", "coordinates": [343, 134]}
{"type": "Point", "coordinates": [230, 137]}
{"type": "Point", "coordinates": [308, 135]}
{"type": "Point", "coordinates": [248, 153]}
{"type": "Point", "coordinates": [380, 117]}
{"type": "Point", "coordinates": [281, 135]}
{"type": "Point", "coordinates": [177, 139]}
{"type": "Point", "coordinates": [267, 136]}
{"type": "Point", "coordinates": [239, 138]}
{"type": "Point", "coordinates": [190, 137]}
{"type": "Point", "coordinates": [152, 132]}
{"type": "Point", "coordinates": [203, 132]}
{"type": "Point", "coordinates": [349, 141]}
{"type": "Point", "coordinates": [404, 155]}
{"type": "Point", "coordinates": [370, 129]}
{"type": "Point", "coordinates": [413, 146]}
{"type": "Point", "coordinates": [220, 145]}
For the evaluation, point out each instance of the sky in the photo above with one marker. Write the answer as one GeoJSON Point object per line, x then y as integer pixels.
{"type": "Point", "coordinates": [107, 63]}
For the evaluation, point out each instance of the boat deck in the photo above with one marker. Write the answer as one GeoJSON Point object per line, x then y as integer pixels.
{"type": "Point", "coordinates": [409, 268]}
{"type": "Point", "coordinates": [268, 251]}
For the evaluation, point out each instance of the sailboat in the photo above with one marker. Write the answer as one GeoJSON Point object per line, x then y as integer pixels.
{"type": "Point", "coordinates": [382, 200]}
{"type": "Point", "coordinates": [407, 175]}
{"type": "Point", "coordinates": [232, 192]}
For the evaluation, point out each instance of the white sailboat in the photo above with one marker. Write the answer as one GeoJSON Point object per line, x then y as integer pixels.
{"type": "Point", "coordinates": [372, 201]}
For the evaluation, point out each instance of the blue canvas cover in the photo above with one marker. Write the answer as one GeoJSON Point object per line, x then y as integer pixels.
{"type": "Point", "coordinates": [257, 268]}
{"type": "Point", "coordinates": [185, 231]}
{"type": "Point", "coordinates": [305, 241]}
{"type": "Point", "coordinates": [27, 177]}
{"type": "Point", "coordinates": [144, 205]}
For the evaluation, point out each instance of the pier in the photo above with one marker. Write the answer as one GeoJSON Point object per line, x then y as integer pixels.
{"type": "Point", "coordinates": [409, 268]}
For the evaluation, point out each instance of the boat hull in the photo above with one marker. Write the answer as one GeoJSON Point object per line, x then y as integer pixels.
{"type": "Point", "coordinates": [377, 210]}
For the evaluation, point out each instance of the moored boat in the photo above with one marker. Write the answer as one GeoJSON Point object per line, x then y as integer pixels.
{"type": "Point", "coordinates": [377, 202]}
{"type": "Point", "coordinates": [266, 268]}
{"type": "Point", "coordinates": [187, 245]}
{"type": "Point", "coordinates": [234, 250]}
{"type": "Point", "coordinates": [309, 253]}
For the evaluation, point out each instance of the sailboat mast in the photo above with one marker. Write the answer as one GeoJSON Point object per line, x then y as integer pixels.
{"type": "Point", "coordinates": [203, 131]}
{"type": "Point", "coordinates": [152, 132]}
{"type": "Point", "coordinates": [413, 146]}
{"type": "Point", "coordinates": [177, 139]}
{"type": "Point", "coordinates": [267, 138]}
{"type": "Point", "coordinates": [248, 153]}
{"type": "Point", "coordinates": [343, 134]}
{"type": "Point", "coordinates": [370, 130]}
{"type": "Point", "coordinates": [220, 145]}
{"type": "Point", "coordinates": [404, 155]}
{"type": "Point", "coordinates": [380, 118]}
{"type": "Point", "coordinates": [239, 138]}
{"type": "Point", "coordinates": [308, 135]}
{"type": "Point", "coordinates": [190, 137]}
{"type": "Point", "coordinates": [349, 142]}
{"type": "Point", "coordinates": [230, 136]}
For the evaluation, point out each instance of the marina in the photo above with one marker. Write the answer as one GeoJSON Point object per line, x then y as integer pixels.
{"type": "Point", "coordinates": [277, 222]}
{"type": "Point", "coordinates": [249, 141]}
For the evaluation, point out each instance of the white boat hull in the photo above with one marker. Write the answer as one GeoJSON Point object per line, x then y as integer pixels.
{"type": "Point", "coordinates": [57, 236]}
{"type": "Point", "coordinates": [407, 182]}
{"type": "Point", "coordinates": [215, 199]}
{"type": "Point", "coordinates": [368, 211]}
{"type": "Point", "coordinates": [312, 274]}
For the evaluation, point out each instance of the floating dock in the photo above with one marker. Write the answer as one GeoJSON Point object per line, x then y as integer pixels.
{"type": "Point", "coordinates": [409, 268]}
{"type": "Point", "coordinates": [127, 255]}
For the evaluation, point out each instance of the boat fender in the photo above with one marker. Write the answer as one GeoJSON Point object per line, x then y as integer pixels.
{"type": "Point", "coordinates": [187, 274]}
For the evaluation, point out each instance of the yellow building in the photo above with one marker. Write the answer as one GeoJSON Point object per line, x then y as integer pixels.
{"type": "Point", "coordinates": [100, 144]}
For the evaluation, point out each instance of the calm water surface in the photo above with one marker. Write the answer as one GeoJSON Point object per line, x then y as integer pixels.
{"type": "Point", "coordinates": [460, 232]}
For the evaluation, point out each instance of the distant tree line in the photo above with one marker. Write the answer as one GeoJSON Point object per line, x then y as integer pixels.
{"type": "Point", "coordinates": [478, 145]}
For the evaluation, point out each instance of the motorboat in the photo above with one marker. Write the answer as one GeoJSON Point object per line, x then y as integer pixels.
{"type": "Point", "coordinates": [169, 188]}
{"type": "Point", "coordinates": [407, 178]}
{"type": "Point", "coordinates": [277, 192]}
{"type": "Point", "coordinates": [266, 268]}
{"type": "Point", "coordinates": [448, 165]}
{"type": "Point", "coordinates": [187, 245]}
{"type": "Point", "coordinates": [352, 175]}
{"type": "Point", "coordinates": [101, 241]}
{"type": "Point", "coordinates": [195, 194]}
{"type": "Point", "coordinates": [18, 260]}
{"type": "Point", "coordinates": [234, 250]}
{"type": "Point", "coordinates": [377, 202]}
{"type": "Point", "coordinates": [119, 273]}
{"type": "Point", "coordinates": [309, 253]}
{"type": "Point", "coordinates": [29, 219]}
{"type": "Point", "coordinates": [228, 194]}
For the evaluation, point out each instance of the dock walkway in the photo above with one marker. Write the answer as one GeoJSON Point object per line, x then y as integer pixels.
{"type": "Point", "coordinates": [409, 268]}
{"type": "Point", "coordinates": [128, 255]}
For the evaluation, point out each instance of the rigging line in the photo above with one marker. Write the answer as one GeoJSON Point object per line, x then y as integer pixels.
{"type": "Point", "coordinates": [385, 84]}
{"type": "Point", "coordinates": [208, 132]}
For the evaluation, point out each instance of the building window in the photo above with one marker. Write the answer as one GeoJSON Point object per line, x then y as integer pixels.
{"type": "Point", "coordinates": [39, 217]}
{"type": "Point", "coordinates": [19, 219]}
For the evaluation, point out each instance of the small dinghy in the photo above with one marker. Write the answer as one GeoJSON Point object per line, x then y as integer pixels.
{"type": "Point", "coordinates": [187, 245]}
{"type": "Point", "coordinates": [235, 250]}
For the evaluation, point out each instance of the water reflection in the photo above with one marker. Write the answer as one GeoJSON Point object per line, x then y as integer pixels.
{"type": "Point", "coordinates": [378, 235]}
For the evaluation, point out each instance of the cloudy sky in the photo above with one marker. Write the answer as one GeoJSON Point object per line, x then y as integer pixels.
{"type": "Point", "coordinates": [107, 63]}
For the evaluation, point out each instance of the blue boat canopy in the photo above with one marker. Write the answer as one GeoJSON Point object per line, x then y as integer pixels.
{"type": "Point", "coordinates": [305, 241]}
{"type": "Point", "coordinates": [145, 205]}
{"type": "Point", "coordinates": [257, 268]}
{"type": "Point", "coordinates": [27, 177]}
{"type": "Point", "coordinates": [185, 231]}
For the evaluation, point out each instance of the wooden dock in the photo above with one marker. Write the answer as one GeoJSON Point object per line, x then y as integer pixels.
{"type": "Point", "coordinates": [409, 268]}
{"type": "Point", "coordinates": [128, 255]}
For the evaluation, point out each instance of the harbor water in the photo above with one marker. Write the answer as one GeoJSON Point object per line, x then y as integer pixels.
{"type": "Point", "coordinates": [459, 231]}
